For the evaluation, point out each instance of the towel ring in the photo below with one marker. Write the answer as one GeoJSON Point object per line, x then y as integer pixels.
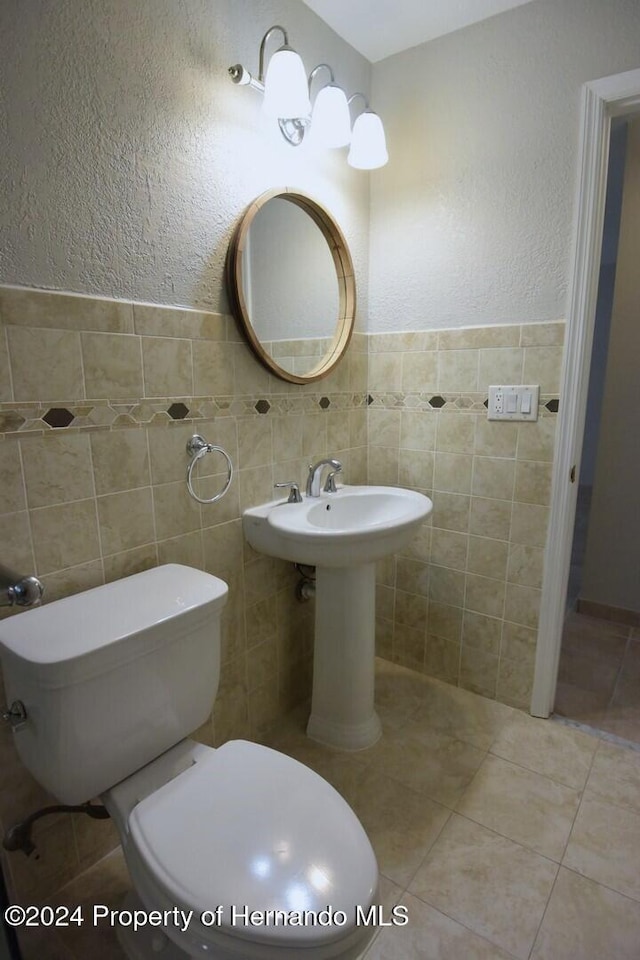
{"type": "Point", "coordinates": [197, 448]}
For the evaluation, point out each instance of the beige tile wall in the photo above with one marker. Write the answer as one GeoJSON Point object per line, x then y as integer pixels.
{"type": "Point", "coordinates": [462, 602]}
{"type": "Point", "coordinates": [106, 496]}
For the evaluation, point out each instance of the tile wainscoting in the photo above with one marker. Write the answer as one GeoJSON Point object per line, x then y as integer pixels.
{"type": "Point", "coordinates": [462, 602]}
{"type": "Point", "coordinates": [98, 399]}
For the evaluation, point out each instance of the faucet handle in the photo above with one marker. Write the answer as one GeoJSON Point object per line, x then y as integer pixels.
{"type": "Point", "coordinates": [330, 482]}
{"type": "Point", "coordinates": [294, 493]}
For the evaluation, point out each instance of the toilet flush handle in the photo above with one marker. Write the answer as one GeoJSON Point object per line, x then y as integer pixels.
{"type": "Point", "coordinates": [16, 715]}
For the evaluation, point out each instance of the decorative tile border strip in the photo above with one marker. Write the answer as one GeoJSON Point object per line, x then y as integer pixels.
{"type": "Point", "coordinates": [548, 404]}
{"type": "Point", "coordinates": [28, 419]}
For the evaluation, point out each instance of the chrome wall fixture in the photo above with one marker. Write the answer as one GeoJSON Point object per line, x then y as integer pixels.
{"type": "Point", "coordinates": [197, 448]}
{"type": "Point", "coordinates": [287, 99]}
{"type": "Point", "coordinates": [17, 590]}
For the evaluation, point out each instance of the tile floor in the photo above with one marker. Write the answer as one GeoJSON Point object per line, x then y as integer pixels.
{"type": "Point", "coordinates": [505, 836]}
{"type": "Point", "coordinates": [599, 676]}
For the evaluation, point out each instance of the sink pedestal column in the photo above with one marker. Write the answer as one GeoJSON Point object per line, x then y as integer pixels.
{"type": "Point", "coordinates": [342, 711]}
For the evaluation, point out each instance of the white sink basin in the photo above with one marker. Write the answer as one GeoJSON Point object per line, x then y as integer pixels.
{"type": "Point", "coordinates": [341, 534]}
{"type": "Point", "coordinates": [353, 526]}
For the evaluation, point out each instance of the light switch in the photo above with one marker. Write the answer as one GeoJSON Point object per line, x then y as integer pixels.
{"type": "Point", "coordinates": [514, 402]}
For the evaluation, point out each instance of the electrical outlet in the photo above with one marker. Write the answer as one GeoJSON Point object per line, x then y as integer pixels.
{"type": "Point", "coordinates": [513, 402]}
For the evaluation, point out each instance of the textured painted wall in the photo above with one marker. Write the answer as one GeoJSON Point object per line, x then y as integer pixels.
{"type": "Point", "coordinates": [128, 154]}
{"type": "Point", "coordinates": [472, 219]}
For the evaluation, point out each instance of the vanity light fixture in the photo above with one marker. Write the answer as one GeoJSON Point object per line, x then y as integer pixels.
{"type": "Point", "coordinates": [330, 119]}
{"type": "Point", "coordinates": [287, 91]}
{"type": "Point", "coordinates": [368, 144]}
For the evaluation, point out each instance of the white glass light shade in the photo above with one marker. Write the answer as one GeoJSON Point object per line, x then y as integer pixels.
{"type": "Point", "coordinates": [368, 145]}
{"type": "Point", "coordinates": [286, 94]}
{"type": "Point", "coordinates": [330, 120]}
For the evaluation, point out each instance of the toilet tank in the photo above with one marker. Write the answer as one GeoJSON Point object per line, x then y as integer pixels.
{"type": "Point", "coordinates": [113, 677]}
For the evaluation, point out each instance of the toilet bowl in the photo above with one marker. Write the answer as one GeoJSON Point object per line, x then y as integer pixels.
{"type": "Point", "coordinates": [253, 827]}
{"type": "Point", "coordinates": [240, 851]}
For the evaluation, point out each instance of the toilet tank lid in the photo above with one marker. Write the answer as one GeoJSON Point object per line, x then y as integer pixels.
{"type": "Point", "coordinates": [85, 622]}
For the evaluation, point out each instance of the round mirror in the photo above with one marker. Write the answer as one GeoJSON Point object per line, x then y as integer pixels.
{"type": "Point", "coordinates": [291, 285]}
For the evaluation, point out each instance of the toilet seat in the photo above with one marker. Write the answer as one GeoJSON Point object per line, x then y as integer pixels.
{"type": "Point", "coordinates": [245, 826]}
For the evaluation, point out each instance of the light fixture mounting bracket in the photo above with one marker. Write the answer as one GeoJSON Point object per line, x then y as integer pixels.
{"type": "Point", "coordinates": [294, 130]}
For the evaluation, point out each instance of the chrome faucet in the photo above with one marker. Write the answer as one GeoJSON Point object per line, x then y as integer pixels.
{"type": "Point", "coordinates": [315, 475]}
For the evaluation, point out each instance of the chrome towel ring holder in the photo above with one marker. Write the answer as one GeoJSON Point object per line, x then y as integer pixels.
{"type": "Point", "coordinates": [197, 448]}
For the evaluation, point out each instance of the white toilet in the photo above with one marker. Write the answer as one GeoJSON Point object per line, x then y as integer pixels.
{"type": "Point", "coordinates": [113, 680]}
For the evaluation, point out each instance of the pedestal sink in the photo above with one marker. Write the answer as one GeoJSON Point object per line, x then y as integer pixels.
{"type": "Point", "coordinates": [342, 534]}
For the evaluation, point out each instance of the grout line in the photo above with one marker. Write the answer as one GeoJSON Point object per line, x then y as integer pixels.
{"type": "Point", "coordinates": [27, 509]}
{"type": "Point", "coordinates": [575, 817]}
{"type": "Point", "coordinates": [438, 909]}
{"type": "Point", "coordinates": [605, 886]}
{"type": "Point", "coordinates": [619, 673]}
{"type": "Point", "coordinates": [153, 502]}
{"type": "Point", "coordinates": [544, 912]}
{"type": "Point", "coordinates": [5, 336]}
{"type": "Point", "coordinates": [503, 836]}
{"type": "Point", "coordinates": [433, 843]}
{"type": "Point", "coordinates": [95, 507]}
{"type": "Point", "coordinates": [82, 366]}
{"type": "Point", "coordinates": [545, 776]}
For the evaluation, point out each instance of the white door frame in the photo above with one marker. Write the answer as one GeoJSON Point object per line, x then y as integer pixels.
{"type": "Point", "coordinates": [601, 100]}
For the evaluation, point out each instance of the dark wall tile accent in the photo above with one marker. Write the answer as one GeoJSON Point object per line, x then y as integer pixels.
{"type": "Point", "coordinates": [58, 417]}
{"type": "Point", "coordinates": [178, 411]}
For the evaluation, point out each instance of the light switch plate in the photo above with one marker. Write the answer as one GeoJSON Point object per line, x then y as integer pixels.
{"type": "Point", "coordinates": [513, 402]}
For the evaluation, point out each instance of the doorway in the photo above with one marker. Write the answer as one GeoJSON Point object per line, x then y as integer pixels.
{"type": "Point", "coordinates": [617, 96]}
{"type": "Point", "coordinates": [599, 672]}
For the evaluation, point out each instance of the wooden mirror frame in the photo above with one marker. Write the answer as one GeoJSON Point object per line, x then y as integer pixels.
{"type": "Point", "coordinates": [344, 275]}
